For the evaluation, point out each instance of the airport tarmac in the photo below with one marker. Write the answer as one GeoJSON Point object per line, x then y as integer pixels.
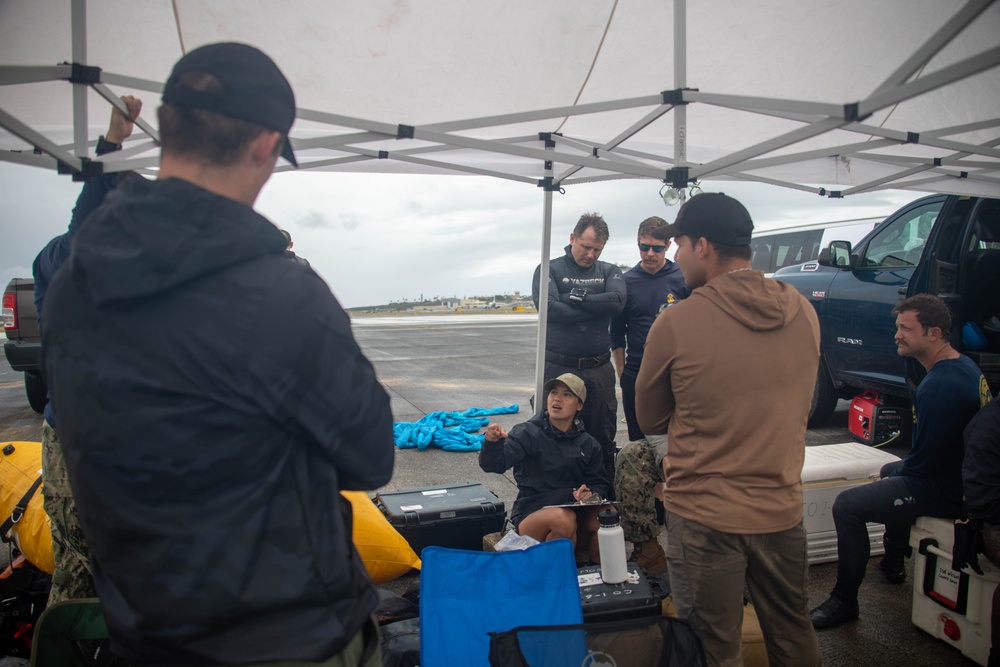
{"type": "Point", "coordinates": [455, 362]}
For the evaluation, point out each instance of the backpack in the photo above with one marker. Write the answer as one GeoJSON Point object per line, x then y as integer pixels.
{"type": "Point", "coordinates": [23, 595]}
{"type": "Point", "coordinates": [651, 641]}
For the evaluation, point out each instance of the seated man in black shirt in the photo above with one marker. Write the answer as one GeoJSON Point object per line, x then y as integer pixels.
{"type": "Point", "coordinates": [929, 481]}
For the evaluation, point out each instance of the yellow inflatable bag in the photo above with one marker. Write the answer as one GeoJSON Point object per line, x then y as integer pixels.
{"type": "Point", "coordinates": [385, 553]}
{"type": "Point", "coordinates": [20, 466]}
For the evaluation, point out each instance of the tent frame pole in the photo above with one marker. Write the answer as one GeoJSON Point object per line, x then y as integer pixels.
{"type": "Point", "coordinates": [78, 27]}
{"type": "Point", "coordinates": [680, 81]}
{"type": "Point", "coordinates": [543, 289]}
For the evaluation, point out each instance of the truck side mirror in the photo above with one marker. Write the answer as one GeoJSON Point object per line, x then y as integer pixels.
{"type": "Point", "coordinates": [837, 254]}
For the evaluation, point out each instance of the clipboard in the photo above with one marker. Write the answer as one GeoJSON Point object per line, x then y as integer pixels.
{"type": "Point", "coordinates": [589, 503]}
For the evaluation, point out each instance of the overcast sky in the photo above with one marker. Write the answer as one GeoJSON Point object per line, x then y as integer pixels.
{"type": "Point", "coordinates": [381, 238]}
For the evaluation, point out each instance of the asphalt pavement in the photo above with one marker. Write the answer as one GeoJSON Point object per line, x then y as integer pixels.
{"type": "Point", "coordinates": [455, 362]}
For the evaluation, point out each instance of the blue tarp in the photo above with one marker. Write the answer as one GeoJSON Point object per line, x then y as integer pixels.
{"type": "Point", "coordinates": [451, 431]}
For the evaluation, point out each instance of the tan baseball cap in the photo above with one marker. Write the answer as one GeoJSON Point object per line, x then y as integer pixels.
{"type": "Point", "coordinates": [574, 383]}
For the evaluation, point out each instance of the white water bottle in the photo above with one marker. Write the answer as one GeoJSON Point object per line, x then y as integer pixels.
{"type": "Point", "coordinates": [611, 542]}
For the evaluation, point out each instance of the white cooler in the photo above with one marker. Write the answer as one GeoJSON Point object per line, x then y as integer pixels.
{"type": "Point", "coordinates": [955, 607]}
{"type": "Point", "coordinates": [828, 470]}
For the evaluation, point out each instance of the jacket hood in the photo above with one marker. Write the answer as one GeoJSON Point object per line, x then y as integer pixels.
{"type": "Point", "coordinates": [542, 420]}
{"type": "Point", "coordinates": [756, 302]}
{"type": "Point", "coordinates": [151, 236]}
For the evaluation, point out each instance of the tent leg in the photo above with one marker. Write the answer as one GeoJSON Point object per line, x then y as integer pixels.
{"type": "Point", "coordinates": [543, 300]}
{"type": "Point", "coordinates": [680, 81]}
{"type": "Point", "coordinates": [79, 50]}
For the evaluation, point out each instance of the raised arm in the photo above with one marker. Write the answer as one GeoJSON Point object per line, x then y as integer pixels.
{"type": "Point", "coordinates": [500, 450]}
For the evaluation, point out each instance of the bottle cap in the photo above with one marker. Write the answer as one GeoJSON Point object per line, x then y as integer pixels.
{"type": "Point", "coordinates": [609, 517]}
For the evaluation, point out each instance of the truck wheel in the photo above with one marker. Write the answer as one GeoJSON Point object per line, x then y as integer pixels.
{"type": "Point", "coordinates": [38, 393]}
{"type": "Point", "coordinates": [824, 400]}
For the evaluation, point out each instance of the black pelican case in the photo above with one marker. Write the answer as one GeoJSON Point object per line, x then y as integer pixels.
{"type": "Point", "coordinates": [452, 515]}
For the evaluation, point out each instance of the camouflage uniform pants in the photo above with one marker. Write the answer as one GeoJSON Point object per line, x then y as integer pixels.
{"type": "Point", "coordinates": [72, 578]}
{"type": "Point", "coordinates": [636, 474]}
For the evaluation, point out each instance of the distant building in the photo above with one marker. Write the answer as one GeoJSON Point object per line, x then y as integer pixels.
{"type": "Point", "coordinates": [472, 304]}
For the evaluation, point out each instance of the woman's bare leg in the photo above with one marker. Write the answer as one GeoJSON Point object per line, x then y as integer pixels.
{"type": "Point", "coordinates": [550, 523]}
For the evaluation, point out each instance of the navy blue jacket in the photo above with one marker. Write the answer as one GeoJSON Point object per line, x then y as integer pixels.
{"type": "Point", "coordinates": [548, 464]}
{"type": "Point", "coordinates": [648, 294]}
{"type": "Point", "coordinates": [946, 400]}
{"type": "Point", "coordinates": [981, 469]}
{"type": "Point", "coordinates": [212, 402]}
{"type": "Point", "coordinates": [580, 329]}
{"type": "Point", "coordinates": [55, 252]}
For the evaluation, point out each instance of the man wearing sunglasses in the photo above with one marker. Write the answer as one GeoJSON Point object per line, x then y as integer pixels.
{"type": "Point", "coordinates": [653, 284]}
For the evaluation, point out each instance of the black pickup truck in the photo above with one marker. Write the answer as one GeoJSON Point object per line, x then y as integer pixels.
{"type": "Point", "coordinates": [942, 244]}
{"type": "Point", "coordinates": [23, 347]}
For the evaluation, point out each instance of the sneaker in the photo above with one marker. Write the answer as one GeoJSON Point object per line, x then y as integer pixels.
{"type": "Point", "coordinates": [833, 612]}
{"type": "Point", "coordinates": [649, 555]}
{"type": "Point", "coordinates": [893, 569]}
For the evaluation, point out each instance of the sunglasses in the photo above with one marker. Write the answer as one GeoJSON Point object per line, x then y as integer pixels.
{"type": "Point", "coordinates": [645, 247]}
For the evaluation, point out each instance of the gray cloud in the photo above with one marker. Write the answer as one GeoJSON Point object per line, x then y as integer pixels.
{"type": "Point", "coordinates": [313, 219]}
{"type": "Point", "coordinates": [349, 221]}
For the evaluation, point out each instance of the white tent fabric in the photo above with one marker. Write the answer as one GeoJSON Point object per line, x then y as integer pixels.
{"type": "Point", "coordinates": [811, 94]}
{"type": "Point", "coordinates": [834, 98]}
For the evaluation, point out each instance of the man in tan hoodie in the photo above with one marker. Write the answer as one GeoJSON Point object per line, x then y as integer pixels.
{"type": "Point", "coordinates": [728, 375]}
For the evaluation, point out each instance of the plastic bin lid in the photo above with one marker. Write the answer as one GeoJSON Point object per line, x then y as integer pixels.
{"type": "Point", "coordinates": [845, 460]}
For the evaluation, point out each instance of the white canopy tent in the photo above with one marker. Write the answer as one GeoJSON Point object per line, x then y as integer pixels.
{"type": "Point", "coordinates": [832, 98]}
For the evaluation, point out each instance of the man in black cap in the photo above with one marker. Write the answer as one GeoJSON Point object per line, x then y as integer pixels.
{"type": "Point", "coordinates": [211, 399]}
{"type": "Point", "coordinates": [728, 375]}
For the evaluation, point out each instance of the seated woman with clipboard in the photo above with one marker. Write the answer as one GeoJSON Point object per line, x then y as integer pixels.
{"type": "Point", "coordinates": [558, 468]}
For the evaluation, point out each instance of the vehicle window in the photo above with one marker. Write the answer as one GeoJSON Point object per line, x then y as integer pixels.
{"type": "Point", "coordinates": [761, 257]}
{"type": "Point", "coordinates": [986, 228]}
{"type": "Point", "coordinates": [776, 251]}
{"type": "Point", "coordinates": [902, 242]}
{"type": "Point", "coordinates": [795, 248]}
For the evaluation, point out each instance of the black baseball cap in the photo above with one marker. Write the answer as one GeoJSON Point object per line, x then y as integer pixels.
{"type": "Point", "coordinates": [255, 90]}
{"type": "Point", "coordinates": [712, 215]}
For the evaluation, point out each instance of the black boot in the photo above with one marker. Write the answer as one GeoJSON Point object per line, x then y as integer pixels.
{"type": "Point", "coordinates": [834, 612]}
{"type": "Point", "coordinates": [892, 564]}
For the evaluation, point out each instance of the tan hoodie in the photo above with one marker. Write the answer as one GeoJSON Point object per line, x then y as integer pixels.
{"type": "Point", "coordinates": [728, 374]}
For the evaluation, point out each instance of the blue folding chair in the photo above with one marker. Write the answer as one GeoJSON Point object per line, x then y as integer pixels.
{"type": "Point", "coordinates": [465, 595]}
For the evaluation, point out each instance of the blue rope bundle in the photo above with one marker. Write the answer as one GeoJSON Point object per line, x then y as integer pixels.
{"type": "Point", "coordinates": [451, 431]}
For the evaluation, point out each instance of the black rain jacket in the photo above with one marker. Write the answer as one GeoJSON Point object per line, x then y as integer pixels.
{"type": "Point", "coordinates": [212, 402]}
{"type": "Point", "coordinates": [548, 464]}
